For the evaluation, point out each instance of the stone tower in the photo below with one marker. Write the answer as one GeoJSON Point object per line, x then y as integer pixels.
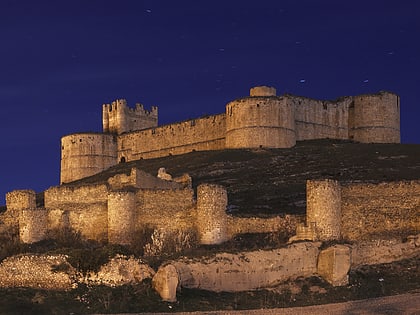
{"type": "Point", "coordinates": [121, 217]}
{"type": "Point", "coordinates": [32, 220]}
{"type": "Point", "coordinates": [323, 208]}
{"type": "Point", "coordinates": [211, 211]}
{"type": "Point", "coordinates": [86, 154]}
{"type": "Point", "coordinates": [262, 120]}
{"type": "Point", "coordinates": [375, 118]}
{"type": "Point", "coordinates": [118, 118]}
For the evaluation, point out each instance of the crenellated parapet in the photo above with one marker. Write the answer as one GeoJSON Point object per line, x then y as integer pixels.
{"type": "Point", "coordinates": [118, 118]}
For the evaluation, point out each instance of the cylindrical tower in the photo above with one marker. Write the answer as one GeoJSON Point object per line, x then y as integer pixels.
{"type": "Point", "coordinates": [33, 225]}
{"type": "Point", "coordinates": [261, 120]}
{"type": "Point", "coordinates": [211, 211]}
{"type": "Point", "coordinates": [323, 208]}
{"type": "Point", "coordinates": [121, 217]}
{"type": "Point", "coordinates": [32, 220]}
{"type": "Point", "coordinates": [376, 118]}
{"type": "Point", "coordinates": [86, 154]}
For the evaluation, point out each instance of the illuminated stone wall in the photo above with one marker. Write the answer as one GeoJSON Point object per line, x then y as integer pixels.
{"type": "Point", "coordinates": [86, 154]}
{"type": "Point", "coordinates": [373, 211]}
{"type": "Point", "coordinates": [211, 213]}
{"type": "Point", "coordinates": [323, 208]}
{"type": "Point", "coordinates": [376, 118]}
{"type": "Point", "coordinates": [118, 118]}
{"type": "Point", "coordinates": [260, 120]}
{"type": "Point", "coordinates": [207, 133]}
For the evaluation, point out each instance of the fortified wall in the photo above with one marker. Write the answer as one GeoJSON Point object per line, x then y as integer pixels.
{"type": "Point", "coordinates": [262, 119]}
{"type": "Point", "coordinates": [118, 210]}
{"type": "Point", "coordinates": [360, 211]}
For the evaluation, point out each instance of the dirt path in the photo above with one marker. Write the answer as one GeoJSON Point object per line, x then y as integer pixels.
{"type": "Point", "coordinates": [407, 304]}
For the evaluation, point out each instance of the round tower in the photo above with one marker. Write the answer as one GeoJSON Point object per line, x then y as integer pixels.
{"type": "Point", "coordinates": [376, 118]}
{"type": "Point", "coordinates": [86, 154]}
{"type": "Point", "coordinates": [32, 220]}
{"type": "Point", "coordinates": [261, 120]}
{"type": "Point", "coordinates": [121, 217]}
{"type": "Point", "coordinates": [323, 208]}
{"type": "Point", "coordinates": [211, 211]}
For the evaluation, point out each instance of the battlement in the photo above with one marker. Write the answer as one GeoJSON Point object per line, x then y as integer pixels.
{"type": "Point", "coordinates": [118, 118]}
{"type": "Point", "coordinates": [139, 109]}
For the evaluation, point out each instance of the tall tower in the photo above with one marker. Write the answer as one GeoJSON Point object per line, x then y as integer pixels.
{"type": "Point", "coordinates": [86, 154]}
{"type": "Point", "coordinates": [118, 118]}
{"type": "Point", "coordinates": [323, 208]}
{"type": "Point", "coordinates": [260, 120]}
{"type": "Point", "coordinates": [375, 118]}
{"type": "Point", "coordinates": [211, 209]}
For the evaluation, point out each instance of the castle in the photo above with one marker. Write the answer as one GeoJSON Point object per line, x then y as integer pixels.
{"type": "Point", "coordinates": [262, 120]}
{"type": "Point", "coordinates": [118, 209]}
{"type": "Point", "coordinates": [115, 210]}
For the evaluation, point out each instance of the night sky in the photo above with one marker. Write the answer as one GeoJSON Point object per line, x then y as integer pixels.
{"type": "Point", "coordinates": [61, 60]}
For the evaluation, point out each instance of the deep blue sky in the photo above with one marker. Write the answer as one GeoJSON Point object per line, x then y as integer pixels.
{"type": "Point", "coordinates": [61, 60]}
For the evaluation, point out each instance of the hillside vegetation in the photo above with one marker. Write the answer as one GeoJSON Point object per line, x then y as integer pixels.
{"type": "Point", "coordinates": [268, 182]}
{"type": "Point", "coordinates": [261, 182]}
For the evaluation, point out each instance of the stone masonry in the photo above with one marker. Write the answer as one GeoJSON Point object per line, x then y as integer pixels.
{"type": "Point", "coordinates": [262, 119]}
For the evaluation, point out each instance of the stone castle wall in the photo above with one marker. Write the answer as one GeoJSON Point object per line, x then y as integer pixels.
{"type": "Point", "coordinates": [33, 225]}
{"type": "Point", "coordinates": [118, 118]}
{"type": "Point", "coordinates": [323, 208]}
{"type": "Point", "coordinates": [169, 209]}
{"type": "Point", "coordinates": [320, 119]}
{"type": "Point", "coordinates": [83, 209]}
{"type": "Point", "coordinates": [32, 220]}
{"type": "Point", "coordinates": [20, 199]}
{"type": "Point", "coordinates": [377, 210]}
{"type": "Point", "coordinates": [211, 209]}
{"type": "Point", "coordinates": [375, 118]}
{"type": "Point", "coordinates": [260, 120]}
{"type": "Point", "coordinates": [86, 154]}
{"type": "Point", "coordinates": [286, 224]}
{"type": "Point", "coordinates": [115, 213]}
{"type": "Point", "coordinates": [360, 211]}
{"type": "Point", "coordinates": [121, 217]}
{"type": "Point", "coordinates": [207, 133]}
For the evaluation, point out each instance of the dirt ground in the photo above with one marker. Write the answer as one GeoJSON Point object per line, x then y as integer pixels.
{"type": "Point", "coordinates": [405, 304]}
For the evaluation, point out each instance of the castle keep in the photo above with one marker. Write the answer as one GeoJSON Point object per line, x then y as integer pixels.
{"type": "Point", "coordinates": [262, 119]}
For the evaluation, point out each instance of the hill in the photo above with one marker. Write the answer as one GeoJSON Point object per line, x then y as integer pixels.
{"type": "Point", "coordinates": [267, 182]}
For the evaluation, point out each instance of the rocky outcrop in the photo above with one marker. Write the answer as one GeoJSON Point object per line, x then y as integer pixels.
{"type": "Point", "coordinates": [334, 264]}
{"type": "Point", "coordinates": [121, 270]}
{"type": "Point", "coordinates": [384, 251]}
{"type": "Point", "coordinates": [51, 272]}
{"type": "Point", "coordinates": [238, 272]}
{"type": "Point", "coordinates": [166, 282]}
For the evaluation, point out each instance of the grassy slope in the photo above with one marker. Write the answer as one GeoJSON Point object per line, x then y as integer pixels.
{"type": "Point", "coordinates": [272, 181]}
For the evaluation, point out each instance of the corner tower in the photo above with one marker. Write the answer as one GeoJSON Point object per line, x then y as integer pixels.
{"type": "Point", "coordinates": [86, 154]}
{"type": "Point", "coordinates": [118, 118]}
{"type": "Point", "coordinates": [260, 120]}
{"type": "Point", "coordinates": [375, 118]}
